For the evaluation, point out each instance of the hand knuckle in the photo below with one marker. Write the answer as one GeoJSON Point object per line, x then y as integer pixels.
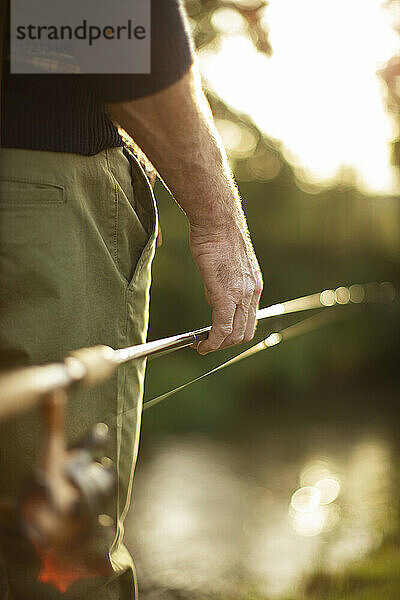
{"type": "Point", "coordinates": [224, 329]}
{"type": "Point", "coordinates": [250, 289]}
{"type": "Point", "coordinates": [236, 292]}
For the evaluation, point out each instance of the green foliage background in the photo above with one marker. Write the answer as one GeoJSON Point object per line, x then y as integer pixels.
{"type": "Point", "coordinates": [307, 239]}
{"type": "Point", "coordinates": [305, 243]}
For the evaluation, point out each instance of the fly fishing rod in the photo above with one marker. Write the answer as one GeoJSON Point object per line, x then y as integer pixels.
{"type": "Point", "coordinates": [274, 338]}
{"type": "Point", "coordinates": [23, 388]}
{"type": "Point", "coordinates": [59, 509]}
{"type": "Point", "coordinates": [355, 294]}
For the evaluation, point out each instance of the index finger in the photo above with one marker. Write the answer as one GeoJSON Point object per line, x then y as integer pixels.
{"type": "Point", "coordinates": [222, 327]}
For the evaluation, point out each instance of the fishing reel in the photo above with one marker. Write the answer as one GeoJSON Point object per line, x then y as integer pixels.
{"type": "Point", "coordinates": [61, 504]}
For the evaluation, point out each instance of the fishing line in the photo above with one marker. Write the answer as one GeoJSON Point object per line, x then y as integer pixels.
{"type": "Point", "coordinates": [277, 337]}
{"type": "Point", "coordinates": [24, 388]}
{"type": "Point", "coordinates": [355, 294]}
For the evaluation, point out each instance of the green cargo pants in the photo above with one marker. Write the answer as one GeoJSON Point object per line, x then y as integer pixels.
{"type": "Point", "coordinates": [77, 238]}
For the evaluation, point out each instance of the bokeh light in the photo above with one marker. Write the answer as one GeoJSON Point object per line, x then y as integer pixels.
{"type": "Point", "coordinates": [273, 340]}
{"type": "Point", "coordinates": [238, 140]}
{"type": "Point", "coordinates": [342, 295]}
{"type": "Point", "coordinates": [312, 510]}
{"type": "Point", "coordinates": [357, 293]}
{"type": "Point", "coordinates": [306, 499]}
{"type": "Point", "coordinates": [329, 489]}
{"type": "Point", "coordinates": [327, 297]}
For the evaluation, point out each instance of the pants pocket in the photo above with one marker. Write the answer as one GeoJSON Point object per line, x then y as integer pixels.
{"type": "Point", "coordinates": [136, 216]}
{"type": "Point", "coordinates": [131, 237]}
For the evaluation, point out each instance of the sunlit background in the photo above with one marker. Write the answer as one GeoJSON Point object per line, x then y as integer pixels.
{"type": "Point", "coordinates": [319, 94]}
{"type": "Point", "coordinates": [278, 478]}
{"type": "Point", "coordinates": [206, 524]}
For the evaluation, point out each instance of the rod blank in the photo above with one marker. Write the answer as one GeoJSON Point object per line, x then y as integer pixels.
{"type": "Point", "coordinates": [23, 388]}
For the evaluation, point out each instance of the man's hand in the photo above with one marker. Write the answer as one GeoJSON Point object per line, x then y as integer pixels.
{"type": "Point", "coordinates": [232, 279]}
{"type": "Point", "coordinates": [176, 131]}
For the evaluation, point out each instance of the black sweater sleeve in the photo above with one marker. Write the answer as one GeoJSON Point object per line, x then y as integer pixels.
{"type": "Point", "coordinates": [65, 113]}
{"type": "Point", "coordinates": [171, 57]}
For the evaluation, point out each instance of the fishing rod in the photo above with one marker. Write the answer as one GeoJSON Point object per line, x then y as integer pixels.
{"type": "Point", "coordinates": [60, 507]}
{"type": "Point", "coordinates": [355, 294]}
{"type": "Point", "coordinates": [24, 388]}
{"type": "Point", "coordinates": [273, 339]}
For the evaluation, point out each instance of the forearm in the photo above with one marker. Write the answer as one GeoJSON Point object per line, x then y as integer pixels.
{"type": "Point", "coordinates": [176, 131]}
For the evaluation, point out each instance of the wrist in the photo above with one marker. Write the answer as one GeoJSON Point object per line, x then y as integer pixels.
{"type": "Point", "coordinates": [228, 225]}
{"type": "Point", "coordinates": [212, 202]}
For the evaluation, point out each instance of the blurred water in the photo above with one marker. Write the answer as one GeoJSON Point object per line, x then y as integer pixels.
{"type": "Point", "coordinates": [225, 517]}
